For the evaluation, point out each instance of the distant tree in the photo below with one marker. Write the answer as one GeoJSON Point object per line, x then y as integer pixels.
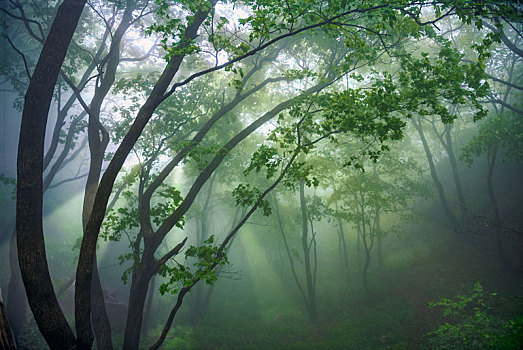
{"type": "Point", "coordinates": [501, 135]}
{"type": "Point", "coordinates": [384, 188]}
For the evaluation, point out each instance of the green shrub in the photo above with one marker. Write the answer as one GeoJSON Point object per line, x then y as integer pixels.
{"type": "Point", "coordinates": [472, 326]}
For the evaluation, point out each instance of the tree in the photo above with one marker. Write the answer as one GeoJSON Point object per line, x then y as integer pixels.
{"type": "Point", "coordinates": [30, 239]}
{"type": "Point", "coordinates": [500, 132]}
{"type": "Point", "coordinates": [385, 188]}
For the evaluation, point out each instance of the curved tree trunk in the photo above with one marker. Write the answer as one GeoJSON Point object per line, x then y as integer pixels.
{"type": "Point", "coordinates": [367, 247]}
{"type": "Point", "coordinates": [29, 226]}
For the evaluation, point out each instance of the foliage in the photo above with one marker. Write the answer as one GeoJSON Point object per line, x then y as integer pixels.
{"type": "Point", "coordinates": [504, 130]}
{"type": "Point", "coordinates": [204, 257]}
{"type": "Point", "coordinates": [472, 325]}
{"type": "Point", "coordinates": [247, 196]}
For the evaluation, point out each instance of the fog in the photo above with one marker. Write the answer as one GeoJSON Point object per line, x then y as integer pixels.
{"type": "Point", "coordinates": [261, 175]}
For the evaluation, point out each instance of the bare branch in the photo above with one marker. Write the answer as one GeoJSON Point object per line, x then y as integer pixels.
{"type": "Point", "coordinates": [21, 54]}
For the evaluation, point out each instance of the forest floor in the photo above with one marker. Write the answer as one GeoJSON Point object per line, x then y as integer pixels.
{"type": "Point", "coordinates": [396, 315]}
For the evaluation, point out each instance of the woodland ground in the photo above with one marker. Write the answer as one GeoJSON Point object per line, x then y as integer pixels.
{"type": "Point", "coordinates": [396, 316]}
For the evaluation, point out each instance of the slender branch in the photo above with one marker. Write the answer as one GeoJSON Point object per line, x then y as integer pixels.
{"type": "Point", "coordinates": [71, 179]}
{"type": "Point", "coordinates": [21, 54]}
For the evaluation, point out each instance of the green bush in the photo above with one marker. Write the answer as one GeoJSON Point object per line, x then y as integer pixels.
{"type": "Point", "coordinates": [472, 326]}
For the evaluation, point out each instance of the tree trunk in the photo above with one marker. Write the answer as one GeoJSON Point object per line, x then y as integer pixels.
{"type": "Point", "coordinates": [288, 251]}
{"type": "Point", "coordinates": [455, 172]}
{"type": "Point", "coordinates": [379, 236]}
{"type": "Point", "coordinates": [98, 141]}
{"type": "Point", "coordinates": [99, 318]}
{"type": "Point", "coordinates": [365, 271]}
{"type": "Point", "coordinates": [505, 258]}
{"type": "Point", "coordinates": [99, 321]}
{"type": "Point", "coordinates": [439, 187]}
{"type": "Point", "coordinates": [137, 295]}
{"type": "Point", "coordinates": [200, 295]}
{"type": "Point", "coordinates": [490, 185]}
{"type": "Point", "coordinates": [311, 297]}
{"type": "Point", "coordinates": [29, 226]}
{"type": "Point", "coordinates": [358, 242]}
{"type": "Point", "coordinates": [367, 247]}
{"type": "Point", "coordinates": [148, 315]}
{"type": "Point", "coordinates": [342, 247]}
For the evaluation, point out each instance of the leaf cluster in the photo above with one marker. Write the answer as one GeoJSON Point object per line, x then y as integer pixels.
{"type": "Point", "coordinates": [205, 257]}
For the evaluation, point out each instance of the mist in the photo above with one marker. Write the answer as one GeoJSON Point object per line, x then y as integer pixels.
{"type": "Point", "coordinates": [261, 175]}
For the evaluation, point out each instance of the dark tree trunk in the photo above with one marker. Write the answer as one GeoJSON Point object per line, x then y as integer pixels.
{"type": "Point", "coordinates": [491, 156]}
{"type": "Point", "coordinates": [358, 242]}
{"type": "Point", "coordinates": [99, 319]}
{"type": "Point", "coordinates": [449, 148]}
{"type": "Point", "coordinates": [170, 320]}
{"type": "Point", "coordinates": [288, 251]}
{"type": "Point", "coordinates": [17, 300]}
{"type": "Point", "coordinates": [367, 238]}
{"type": "Point", "coordinates": [137, 296]}
{"type": "Point", "coordinates": [29, 227]}
{"type": "Point", "coordinates": [365, 272]}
